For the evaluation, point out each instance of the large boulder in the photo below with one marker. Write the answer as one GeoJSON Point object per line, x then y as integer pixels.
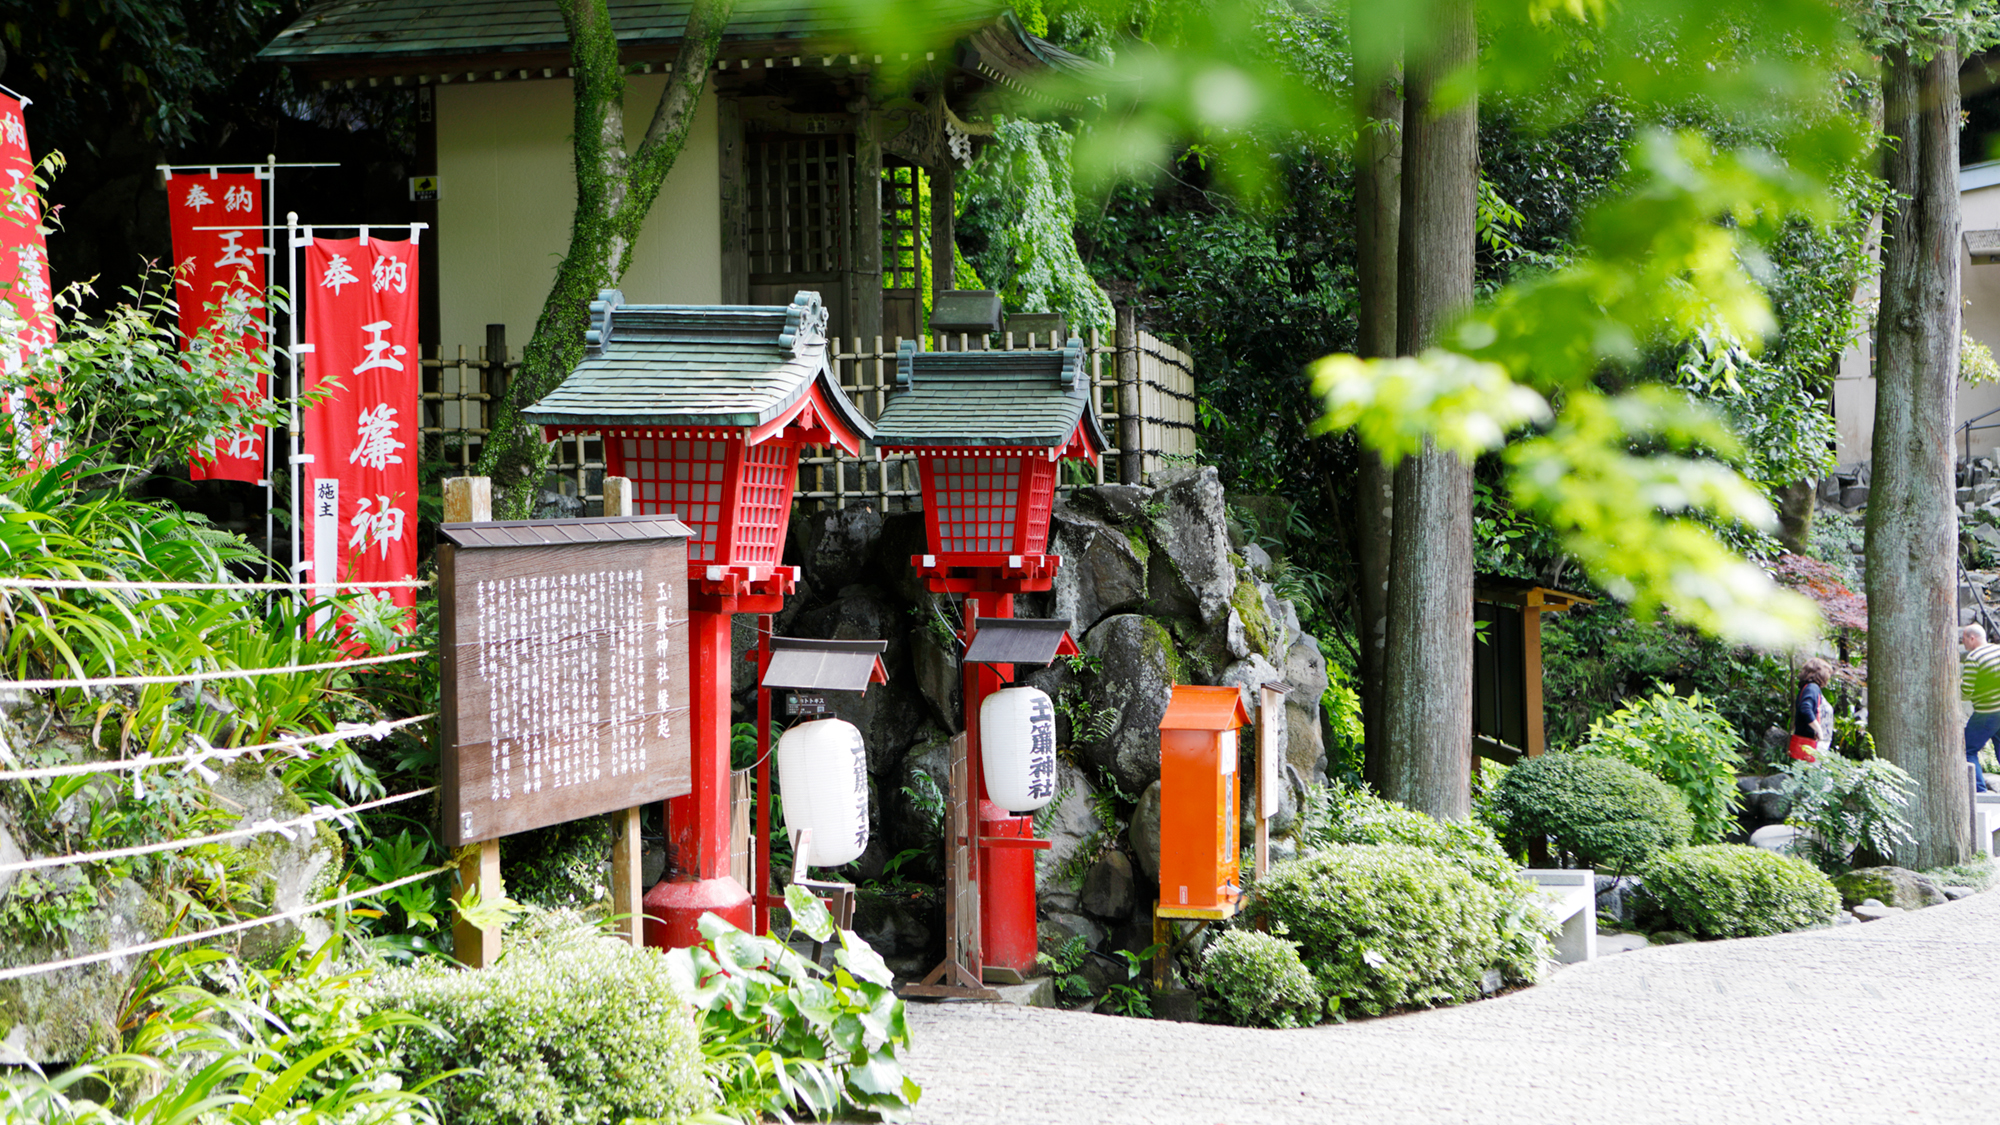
{"type": "Point", "coordinates": [1191, 572]}
{"type": "Point", "coordinates": [1144, 833]}
{"type": "Point", "coordinates": [62, 1016]}
{"type": "Point", "coordinates": [891, 716]}
{"type": "Point", "coordinates": [1248, 676]}
{"type": "Point", "coordinates": [1103, 568]}
{"type": "Point", "coordinates": [934, 662]}
{"type": "Point", "coordinates": [1109, 888]}
{"type": "Point", "coordinates": [282, 873]}
{"type": "Point", "coordinates": [1067, 823]}
{"type": "Point", "coordinates": [839, 547]}
{"type": "Point", "coordinates": [1138, 669]}
{"type": "Point", "coordinates": [1893, 886]}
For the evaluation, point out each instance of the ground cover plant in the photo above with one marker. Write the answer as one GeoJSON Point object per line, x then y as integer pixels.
{"type": "Point", "coordinates": [1849, 813]}
{"type": "Point", "coordinates": [1734, 890]}
{"type": "Point", "coordinates": [1595, 811]}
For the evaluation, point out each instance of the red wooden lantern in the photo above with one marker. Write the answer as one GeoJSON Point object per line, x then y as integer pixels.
{"type": "Point", "coordinates": [704, 409]}
{"type": "Point", "coordinates": [989, 431]}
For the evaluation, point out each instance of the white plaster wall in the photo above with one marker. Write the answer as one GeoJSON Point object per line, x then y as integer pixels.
{"type": "Point", "coordinates": [509, 190]}
{"type": "Point", "coordinates": [1854, 390]}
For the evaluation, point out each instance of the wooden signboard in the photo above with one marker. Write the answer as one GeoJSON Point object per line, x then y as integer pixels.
{"type": "Point", "coordinates": [565, 669]}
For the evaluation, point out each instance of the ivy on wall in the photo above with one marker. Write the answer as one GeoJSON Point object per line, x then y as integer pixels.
{"type": "Point", "coordinates": [1018, 197]}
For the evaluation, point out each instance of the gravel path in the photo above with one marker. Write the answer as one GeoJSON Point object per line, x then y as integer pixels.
{"type": "Point", "coordinates": [1890, 1021]}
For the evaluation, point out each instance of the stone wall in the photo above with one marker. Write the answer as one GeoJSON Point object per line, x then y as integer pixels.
{"type": "Point", "coordinates": [1159, 589]}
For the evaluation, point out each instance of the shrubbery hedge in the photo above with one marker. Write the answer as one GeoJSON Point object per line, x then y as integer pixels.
{"type": "Point", "coordinates": [571, 1027]}
{"type": "Point", "coordinates": [1601, 811]}
{"type": "Point", "coordinates": [1733, 890]}
{"type": "Point", "coordinates": [1259, 981]}
{"type": "Point", "coordinates": [1390, 926]}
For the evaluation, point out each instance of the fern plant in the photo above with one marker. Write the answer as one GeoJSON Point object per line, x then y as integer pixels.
{"type": "Point", "coordinates": [1852, 813]}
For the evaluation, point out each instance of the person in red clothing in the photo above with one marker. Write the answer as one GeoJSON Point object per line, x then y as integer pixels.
{"type": "Point", "coordinates": [1810, 713]}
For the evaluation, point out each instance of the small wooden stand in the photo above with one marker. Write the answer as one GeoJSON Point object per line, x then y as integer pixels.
{"type": "Point", "coordinates": [957, 975]}
{"type": "Point", "coordinates": [1166, 946]}
{"type": "Point", "coordinates": [628, 894]}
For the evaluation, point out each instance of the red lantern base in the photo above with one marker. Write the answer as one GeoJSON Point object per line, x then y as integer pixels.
{"type": "Point", "coordinates": [674, 910]}
{"type": "Point", "coordinates": [1007, 929]}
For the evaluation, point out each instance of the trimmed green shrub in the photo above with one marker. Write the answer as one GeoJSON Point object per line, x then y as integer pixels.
{"type": "Point", "coordinates": [1390, 926]}
{"type": "Point", "coordinates": [1356, 816]}
{"type": "Point", "coordinates": [571, 1027]}
{"type": "Point", "coordinates": [1601, 812]}
{"type": "Point", "coordinates": [1685, 742]}
{"type": "Point", "coordinates": [1734, 890]}
{"type": "Point", "coordinates": [1260, 981]}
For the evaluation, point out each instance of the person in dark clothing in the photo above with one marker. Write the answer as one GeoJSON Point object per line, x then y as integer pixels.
{"type": "Point", "coordinates": [1807, 720]}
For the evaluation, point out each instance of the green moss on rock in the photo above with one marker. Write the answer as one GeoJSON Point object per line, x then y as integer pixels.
{"type": "Point", "coordinates": [1264, 634]}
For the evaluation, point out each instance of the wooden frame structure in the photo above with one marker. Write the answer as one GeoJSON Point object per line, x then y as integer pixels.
{"type": "Point", "coordinates": [1507, 720]}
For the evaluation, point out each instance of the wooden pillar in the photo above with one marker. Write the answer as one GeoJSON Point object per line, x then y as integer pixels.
{"type": "Point", "coordinates": [1131, 431]}
{"type": "Point", "coordinates": [944, 250]}
{"type": "Point", "coordinates": [735, 212]}
{"type": "Point", "coordinates": [867, 283]}
{"type": "Point", "coordinates": [1531, 674]}
{"type": "Point", "coordinates": [628, 889]}
{"type": "Point", "coordinates": [470, 500]}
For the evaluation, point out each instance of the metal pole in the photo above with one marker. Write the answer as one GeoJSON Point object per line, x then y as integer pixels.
{"type": "Point", "coordinates": [292, 373]}
{"type": "Point", "coordinates": [271, 367]}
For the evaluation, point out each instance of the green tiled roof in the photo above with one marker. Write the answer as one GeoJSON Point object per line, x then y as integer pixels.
{"type": "Point", "coordinates": [1021, 398]}
{"type": "Point", "coordinates": [389, 30]}
{"type": "Point", "coordinates": [695, 365]}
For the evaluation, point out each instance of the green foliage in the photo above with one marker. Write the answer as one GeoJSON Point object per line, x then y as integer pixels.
{"type": "Point", "coordinates": [1259, 981]}
{"type": "Point", "coordinates": [1979, 874]}
{"type": "Point", "coordinates": [1734, 890]}
{"type": "Point", "coordinates": [1064, 960]}
{"type": "Point", "coordinates": [212, 1041]}
{"type": "Point", "coordinates": [1019, 225]}
{"type": "Point", "coordinates": [1600, 812]}
{"type": "Point", "coordinates": [43, 907]}
{"type": "Point", "coordinates": [785, 1034]}
{"type": "Point", "coordinates": [1854, 814]}
{"type": "Point", "coordinates": [1976, 367]}
{"type": "Point", "coordinates": [1598, 658]}
{"type": "Point", "coordinates": [561, 867]}
{"type": "Point", "coordinates": [1685, 742]}
{"type": "Point", "coordinates": [533, 1031]}
{"type": "Point", "coordinates": [1391, 926]}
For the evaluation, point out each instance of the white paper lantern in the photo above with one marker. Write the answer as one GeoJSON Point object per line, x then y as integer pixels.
{"type": "Point", "coordinates": [823, 776]}
{"type": "Point", "coordinates": [1017, 748]}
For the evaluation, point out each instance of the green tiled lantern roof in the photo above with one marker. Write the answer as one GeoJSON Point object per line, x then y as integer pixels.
{"type": "Point", "coordinates": [696, 365]}
{"type": "Point", "coordinates": [1032, 399]}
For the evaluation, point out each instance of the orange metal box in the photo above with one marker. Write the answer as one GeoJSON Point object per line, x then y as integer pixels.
{"type": "Point", "coordinates": [1200, 797]}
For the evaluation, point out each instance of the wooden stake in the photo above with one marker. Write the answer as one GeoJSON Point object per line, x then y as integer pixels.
{"type": "Point", "coordinates": [628, 889]}
{"type": "Point", "coordinates": [470, 500]}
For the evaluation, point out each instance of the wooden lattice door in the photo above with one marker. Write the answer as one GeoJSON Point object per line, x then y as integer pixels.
{"type": "Point", "coordinates": [799, 219]}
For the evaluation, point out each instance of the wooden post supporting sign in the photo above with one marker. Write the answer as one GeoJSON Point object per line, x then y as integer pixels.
{"type": "Point", "coordinates": [470, 500]}
{"type": "Point", "coordinates": [628, 892]}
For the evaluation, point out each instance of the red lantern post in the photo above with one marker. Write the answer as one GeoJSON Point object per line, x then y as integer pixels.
{"type": "Point", "coordinates": [989, 431]}
{"type": "Point", "coordinates": [704, 409]}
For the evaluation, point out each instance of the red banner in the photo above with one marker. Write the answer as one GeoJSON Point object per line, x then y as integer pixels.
{"type": "Point", "coordinates": [24, 277]}
{"type": "Point", "coordinates": [211, 266]}
{"type": "Point", "coordinates": [361, 484]}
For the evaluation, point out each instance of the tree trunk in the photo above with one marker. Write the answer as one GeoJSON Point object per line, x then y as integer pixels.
{"type": "Point", "coordinates": [1428, 709]}
{"type": "Point", "coordinates": [1378, 204]}
{"type": "Point", "coordinates": [1912, 523]}
{"type": "Point", "coordinates": [614, 191]}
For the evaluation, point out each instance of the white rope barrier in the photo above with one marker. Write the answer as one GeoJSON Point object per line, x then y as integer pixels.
{"type": "Point", "coordinates": [340, 733]}
{"type": "Point", "coordinates": [247, 587]}
{"type": "Point", "coordinates": [234, 927]}
{"type": "Point", "coordinates": [281, 827]}
{"type": "Point", "coordinates": [197, 677]}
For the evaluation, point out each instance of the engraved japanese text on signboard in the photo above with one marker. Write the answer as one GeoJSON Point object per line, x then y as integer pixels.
{"type": "Point", "coordinates": [566, 668]}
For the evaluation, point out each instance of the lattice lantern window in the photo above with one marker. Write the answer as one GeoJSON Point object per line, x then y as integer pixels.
{"type": "Point", "coordinates": [988, 502]}
{"type": "Point", "coordinates": [737, 498]}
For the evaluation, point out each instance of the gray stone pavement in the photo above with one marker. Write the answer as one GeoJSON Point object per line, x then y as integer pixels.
{"type": "Point", "coordinates": [1890, 1021]}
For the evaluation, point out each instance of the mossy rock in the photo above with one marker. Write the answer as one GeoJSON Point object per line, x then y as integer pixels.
{"type": "Point", "coordinates": [1890, 886]}
{"type": "Point", "coordinates": [1265, 635]}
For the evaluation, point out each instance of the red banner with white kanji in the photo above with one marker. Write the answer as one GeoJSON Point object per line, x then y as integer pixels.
{"type": "Point", "coordinates": [24, 283]}
{"type": "Point", "coordinates": [360, 509]}
{"type": "Point", "coordinates": [211, 267]}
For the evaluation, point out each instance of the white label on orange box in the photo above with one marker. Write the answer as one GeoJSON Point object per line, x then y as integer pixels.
{"type": "Point", "coordinates": [1226, 742]}
{"type": "Point", "coordinates": [1183, 896]}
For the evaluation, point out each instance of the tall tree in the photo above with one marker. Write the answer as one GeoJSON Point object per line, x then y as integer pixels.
{"type": "Point", "coordinates": [1912, 519]}
{"type": "Point", "coordinates": [1427, 723]}
{"type": "Point", "coordinates": [615, 189]}
{"type": "Point", "coordinates": [1378, 205]}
